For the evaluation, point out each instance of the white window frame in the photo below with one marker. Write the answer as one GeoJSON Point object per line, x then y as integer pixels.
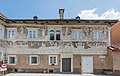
{"type": "Point", "coordinates": [55, 33]}
{"type": "Point", "coordinates": [2, 28]}
{"type": "Point", "coordinates": [1, 33]}
{"type": "Point", "coordinates": [52, 59]}
{"type": "Point", "coordinates": [31, 60]}
{"type": "Point", "coordinates": [97, 35]}
{"type": "Point", "coordinates": [76, 34]}
{"type": "Point", "coordinates": [10, 33]}
{"type": "Point", "coordinates": [16, 59]}
{"type": "Point", "coordinates": [0, 56]}
{"type": "Point", "coordinates": [33, 30]}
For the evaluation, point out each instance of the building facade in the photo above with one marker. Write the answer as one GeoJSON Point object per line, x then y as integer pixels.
{"type": "Point", "coordinates": [114, 49]}
{"type": "Point", "coordinates": [56, 45]}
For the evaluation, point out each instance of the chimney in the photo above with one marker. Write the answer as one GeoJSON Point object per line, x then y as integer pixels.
{"type": "Point", "coordinates": [61, 13]}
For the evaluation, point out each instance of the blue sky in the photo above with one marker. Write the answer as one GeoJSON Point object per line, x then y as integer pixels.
{"type": "Point", "coordinates": [49, 8]}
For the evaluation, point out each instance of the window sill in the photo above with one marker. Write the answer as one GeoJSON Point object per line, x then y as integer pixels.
{"type": "Point", "coordinates": [11, 64]}
{"type": "Point", "coordinates": [52, 64]}
{"type": "Point", "coordinates": [33, 64]}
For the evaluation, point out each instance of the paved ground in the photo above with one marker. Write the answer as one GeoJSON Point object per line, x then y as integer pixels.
{"type": "Point", "coordinates": [41, 74]}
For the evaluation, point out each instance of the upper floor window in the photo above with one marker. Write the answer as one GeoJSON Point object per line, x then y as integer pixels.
{"type": "Point", "coordinates": [53, 60]}
{"type": "Point", "coordinates": [11, 33]}
{"type": "Point", "coordinates": [97, 35]}
{"type": "Point", "coordinates": [32, 34]}
{"type": "Point", "coordinates": [54, 35]}
{"type": "Point", "coordinates": [76, 35]}
{"type": "Point", "coordinates": [57, 35]}
{"type": "Point", "coordinates": [1, 33]}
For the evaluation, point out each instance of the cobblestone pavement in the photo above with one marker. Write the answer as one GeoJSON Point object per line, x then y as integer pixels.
{"type": "Point", "coordinates": [41, 74]}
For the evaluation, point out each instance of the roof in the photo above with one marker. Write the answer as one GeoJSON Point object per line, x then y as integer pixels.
{"type": "Point", "coordinates": [3, 16]}
{"type": "Point", "coordinates": [62, 21]}
{"type": "Point", "coordinates": [58, 21]}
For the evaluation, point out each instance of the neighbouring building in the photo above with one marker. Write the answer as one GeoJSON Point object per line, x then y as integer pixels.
{"type": "Point", "coordinates": [56, 45]}
{"type": "Point", "coordinates": [114, 49]}
{"type": "Point", "coordinates": [3, 54]}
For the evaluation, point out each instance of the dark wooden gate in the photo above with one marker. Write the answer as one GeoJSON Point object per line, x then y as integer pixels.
{"type": "Point", "coordinates": [66, 64]}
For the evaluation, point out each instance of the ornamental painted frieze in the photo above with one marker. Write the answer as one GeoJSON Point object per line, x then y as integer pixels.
{"type": "Point", "coordinates": [61, 44]}
{"type": "Point", "coordinates": [22, 32]}
{"type": "Point", "coordinates": [42, 32]}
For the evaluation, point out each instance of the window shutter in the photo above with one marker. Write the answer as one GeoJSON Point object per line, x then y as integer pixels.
{"type": "Point", "coordinates": [16, 60]}
{"type": "Point", "coordinates": [49, 60]}
{"type": "Point", "coordinates": [8, 60]}
{"type": "Point", "coordinates": [28, 60]}
{"type": "Point", "coordinates": [38, 59]}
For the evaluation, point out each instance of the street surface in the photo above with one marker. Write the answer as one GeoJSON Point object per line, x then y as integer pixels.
{"type": "Point", "coordinates": [47, 74]}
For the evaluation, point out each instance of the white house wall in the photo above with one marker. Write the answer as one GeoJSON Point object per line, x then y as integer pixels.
{"type": "Point", "coordinates": [21, 45]}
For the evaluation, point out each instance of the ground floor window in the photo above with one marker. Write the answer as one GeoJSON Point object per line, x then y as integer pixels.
{"type": "Point", "coordinates": [33, 59]}
{"type": "Point", "coordinates": [12, 59]}
{"type": "Point", "coordinates": [52, 59]}
{"type": "Point", "coordinates": [0, 56]}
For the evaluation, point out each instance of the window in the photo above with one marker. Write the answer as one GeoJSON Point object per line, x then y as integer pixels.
{"type": "Point", "coordinates": [76, 35]}
{"type": "Point", "coordinates": [32, 34]}
{"type": "Point", "coordinates": [12, 59]}
{"type": "Point", "coordinates": [54, 35]}
{"type": "Point", "coordinates": [57, 35]}
{"type": "Point", "coordinates": [0, 56]}
{"type": "Point", "coordinates": [11, 33]}
{"type": "Point", "coordinates": [33, 59]}
{"type": "Point", "coordinates": [53, 60]}
{"type": "Point", "coordinates": [1, 33]}
{"type": "Point", "coordinates": [97, 35]}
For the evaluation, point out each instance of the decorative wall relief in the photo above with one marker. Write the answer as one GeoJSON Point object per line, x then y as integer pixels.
{"type": "Point", "coordinates": [86, 45]}
{"type": "Point", "coordinates": [25, 31]}
{"type": "Point", "coordinates": [46, 30]}
{"type": "Point", "coordinates": [33, 44]}
{"type": "Point", "coordinates": [67, 32]}
{"type": "Point", "coordinates": [90, 30]}
{"type": "Point", "coordinates": [16, 44]}
{"type": "Point", "coordinates": [64, 31]}
{"type": "Point", "coordinates": [21, 42]}
{"type": "Point", "coordinates": [43, 44]}
{"type": "Point", "coordinates": [1, 44]}
{"type": "Point", "coordinates": [19, 32]}
{"type": "Point", "coordinates": [42, 32]}
{"type": "Point", "coordinates": [58, 44]}
{"type": "Point", "coordinates": [54, 44]}
{"type": "Point", "coordinates": [9, 44]}
{"type": "Point", "coordinates": [67, 45]}
{"type": "Point", "coordinates": [105, 33]}
{"type": "Point", "coordinates": [87, 32]}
